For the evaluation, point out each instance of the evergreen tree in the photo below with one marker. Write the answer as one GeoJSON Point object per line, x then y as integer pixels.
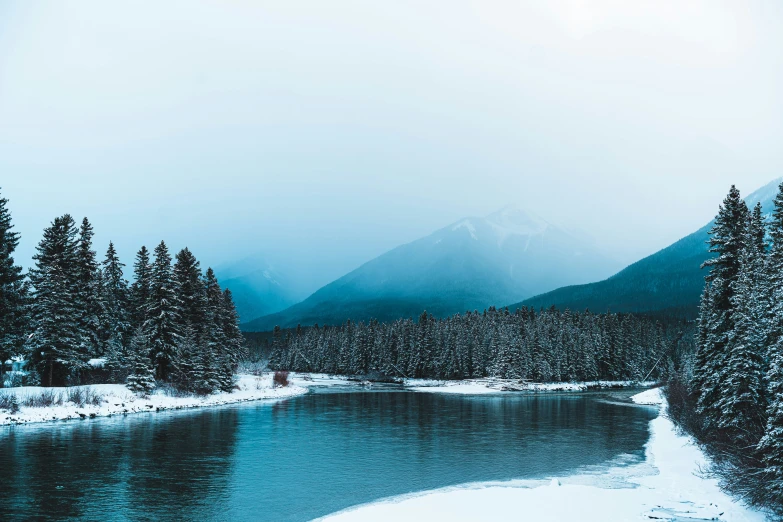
{"type": "Point", "coordinates": [141, 290]}
{"type": "Point", "coordinates": [141, 378]}
{"type": "Point", "coordinates": [190, 291]}
{"type": "Point", "coordinates": [163, 313]}
{"type": "Point", "coordinates": [57, 348]}
{"type": "Point", "coordinates": [727, 239]}
{"type": "Point", "coordinates": [14, 316]}
{"type": "Point", "coordinates": [771, 445]}
{"type": "Point", "coordinates": [89, 295]}
{"type": "Point", "coordinates": [742, 396]}
{"type": "Point", "coordinates": [116, 325]}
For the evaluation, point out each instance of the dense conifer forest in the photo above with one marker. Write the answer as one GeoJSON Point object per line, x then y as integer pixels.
{"type": "Point", "coordinates": [732, 400]}
{"type": "Point", "coordinates": [173, 324]}
{"type": "Point", "coordinates": [544, 346]}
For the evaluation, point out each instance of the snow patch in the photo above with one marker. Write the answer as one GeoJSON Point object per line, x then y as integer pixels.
{"type": "Point", "coordinates": [116, 399]}
{"type": "Point", "coordinates": [467, 225]}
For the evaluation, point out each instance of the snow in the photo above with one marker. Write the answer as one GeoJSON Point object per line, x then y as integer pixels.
{"type": "Point", "coordinates": [667, 486]}
{"type": "Point", "coordinates": [118, 400]}
{"type": "Point", "coordinates": [487, 386]}
{"type": "Point", "coordinates": [513, 221]}
{"type": "Point", "coordinates": [97, 363]}
{"type": "Point", "coordinates": [469, 226]}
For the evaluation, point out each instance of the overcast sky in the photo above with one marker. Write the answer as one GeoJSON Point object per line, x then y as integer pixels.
{"type": "Point", "coordinates": [333, 131]}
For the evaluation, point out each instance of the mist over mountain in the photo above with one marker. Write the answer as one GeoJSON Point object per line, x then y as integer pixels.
{"type": "Point", "coordinates": [258, 287]}
{"type": "Point", "coordinates": [669, 280]}
{"type": "Point", "coordinates": [471, 264]}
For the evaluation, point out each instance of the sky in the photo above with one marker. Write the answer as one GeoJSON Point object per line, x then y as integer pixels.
{"type": "Point", "coordinates": [321, 134]}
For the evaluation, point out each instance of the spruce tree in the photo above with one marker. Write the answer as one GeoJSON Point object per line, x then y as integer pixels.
{"type": "Point", "coordinates": [141, 378]}
{"type": "Point", "coordinates": [141, 290]}
{"type": "Point", "coordinates": [727, 238]}
{"type": "Point", "coordinates": [89, 295]}
{"type": "Point", "coordinates": [56, 347]}
{"type": "Point", "coordinates": [771, 445]}
{"type": "Point", "coordinates": [741, 400]}
{"type": "Point", "coordinates": [190, 291]}
{"type": "Point", "coordinates": [163, 313]}
{"type": "Point", "coordinates": [116, 324]}
{"type": "Point", "coordinates": [14, 316]}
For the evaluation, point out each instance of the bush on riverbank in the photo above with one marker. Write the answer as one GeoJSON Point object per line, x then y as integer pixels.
{"type": "Point", "coordinates": [281, 379]}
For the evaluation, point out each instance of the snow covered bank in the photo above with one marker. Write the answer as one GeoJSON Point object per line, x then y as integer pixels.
{"type": "Point", "coordinates": [667, 486]}
{"type": "Point", "coordinates": [485, 386]}
{"type": "Point", "coordinates": [116, 399]}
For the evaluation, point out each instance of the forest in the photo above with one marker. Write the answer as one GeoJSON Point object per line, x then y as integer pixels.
{"type": "Point", "coordinates": [173, 325]}
{"type": "Point", "coordinates": [731, 397]}
{"type": "Point", "coordinates": [544, 346]}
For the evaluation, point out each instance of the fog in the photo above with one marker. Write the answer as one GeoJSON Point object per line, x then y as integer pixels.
{"type": "Point", "coordinates": [321, 134]}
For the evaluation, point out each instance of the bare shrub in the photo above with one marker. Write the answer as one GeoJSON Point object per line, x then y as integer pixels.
{"type": "Point", "coordinates": [75, 395]}
{"type": "Point", "coordinates": [9, 401]}
{"type": "Point", "coordinates": [43, 400]}
{"type": "Point", "coordinates": [280, 379]}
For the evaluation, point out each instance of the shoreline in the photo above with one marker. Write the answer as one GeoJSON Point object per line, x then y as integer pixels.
{"type": "Point", "coordinates": [116, 399]}
{"type": "Point", "coordinates": [668, 485]}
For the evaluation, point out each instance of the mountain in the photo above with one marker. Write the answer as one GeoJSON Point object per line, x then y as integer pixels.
{"type": "Point", "coordinates": [668, 281]}
{"type": "Point", "coordinates": [471, 264]}
{"type": "Point", "coordinates": [258, 287]}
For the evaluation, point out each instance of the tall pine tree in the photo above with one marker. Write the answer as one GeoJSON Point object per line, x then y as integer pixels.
{"type": "Point", "coordinates": [163, 313]}
{"type": "Point", "coordinates": [14, 317]}
{"type": "Point", "coordinates": [57, 348]}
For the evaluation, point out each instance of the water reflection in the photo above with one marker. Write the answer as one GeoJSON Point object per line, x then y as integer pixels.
{"type": "Point", "coordinates": [302, 458]}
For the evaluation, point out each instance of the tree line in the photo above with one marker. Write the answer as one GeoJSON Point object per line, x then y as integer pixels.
{"type": "Point", "coordinates": [735, 389]}
{"type": "Point", "coordinates": [544, 346]}
{"type": "Point", "coordinates": [174, 324]}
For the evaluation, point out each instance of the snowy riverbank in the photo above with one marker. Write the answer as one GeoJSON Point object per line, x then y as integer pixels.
{"type": "Point", "coordinates": [103, 400]}
{"type": "Point", "coordinates": [487, 386]}
{"type": "Point", "coordinates": [667, 486]}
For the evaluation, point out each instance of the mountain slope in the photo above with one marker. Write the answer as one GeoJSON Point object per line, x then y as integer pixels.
{"type": "Point", "coordinates": [257, 287]}
{"type": "Point", "coordinates": [669, 280]}
{"type": "Point", "coordinates": [471, 264]}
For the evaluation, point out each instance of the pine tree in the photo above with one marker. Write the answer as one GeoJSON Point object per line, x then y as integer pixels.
{"type": "Point", "coordinates": [89, 295]}
{"type": "Point", "coordinates": [57, 348]}
{"type": "Point", "coordinates": [116, 324]}
{"type": "Point", "coordinates": [235, 341]}
{"type": "Point", "coordinates": [727, 241]}
{"type": "Point", "coordinates": [141, 378]}
{"type": "Point", "coordinates": [141, 290]}
{"type": "Point", "coordinates": [742, 396]}
{"type": "Point", "coordinates": [215, 340]}
{"type": "Point", "coordinates": [771, 445]}
{"type": "Point", "coordinates": [14, 316]}
{"type": "Point", "coordinates": [190, 291]}
{"type": "Point", "coordinates": [163, 313]}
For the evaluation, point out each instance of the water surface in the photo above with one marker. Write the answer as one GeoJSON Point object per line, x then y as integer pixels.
{"type": "Point", "coordinates": [305, 457]}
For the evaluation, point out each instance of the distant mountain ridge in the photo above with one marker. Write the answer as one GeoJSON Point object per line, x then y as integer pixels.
{"type": "Point", "coordinates": [668, 281]}
{"type": "Point", "coordinates": [257, 286]}
{"type": "Point", "coordinates": [471, 264]}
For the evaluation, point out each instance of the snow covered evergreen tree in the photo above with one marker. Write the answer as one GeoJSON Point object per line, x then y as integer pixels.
{"type": "Point", "coordinates": [57, 348]}
{"type": "Point", "coordinates": [141, 378]}
{"type": "Point", "coordinates": [163, 313]}
{"type": "Point", "coordinates": [14, 318]}
{"type": "Point", "coordinates": [727, 241]}
{"type": "Point", "coordinates": [741, 400]}
{"type": "Point", "coordinates": [89, 295]}
{"type": "Point", "coordinates": [190, 292]}
{"type": "Point", "coordinates": [141, 290]}
{"type": "Point", "coordinates": [115, 321]}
